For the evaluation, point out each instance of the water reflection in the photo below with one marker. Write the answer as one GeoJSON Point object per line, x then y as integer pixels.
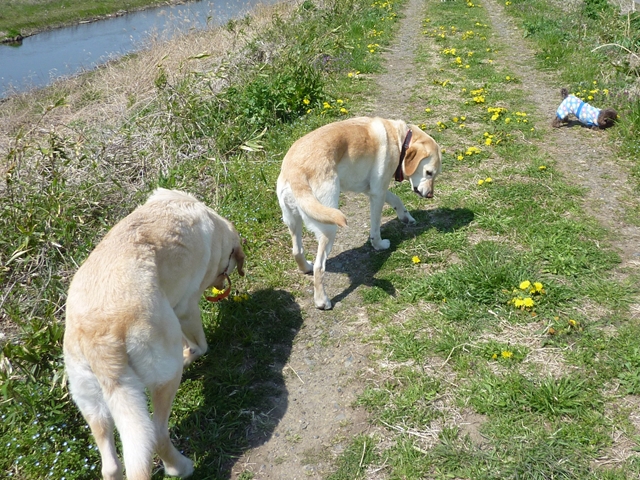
{"type": "Point", "coordinates": [40, 59]}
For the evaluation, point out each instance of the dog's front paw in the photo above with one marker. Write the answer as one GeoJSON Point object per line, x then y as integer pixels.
{"type": "Point", "coordinates": [323, 304]}
{"type": "Point", "coordinates": [381, 244]}
{"type": "Point", "coordinates": [189, 354]}
{"type": "Point", "coordinates": [183, 468]}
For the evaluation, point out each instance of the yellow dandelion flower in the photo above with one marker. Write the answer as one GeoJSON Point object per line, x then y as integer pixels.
{"type": "Point", "coordinates": [508, 78]}
{"type": "Point", "coordinates": [573, 323]}
{"type": "Point", "coordinates": [507, 120]}
{"type": "Point", "coordinates": [506, 354]}
{"type": "Point", "coordinates": [460, 157]}
{"type": "Point", "coordinates": [339, 101]}
{"type": "Point", "coordinates": [463, 118]}
{"type": "Point", "coordinates": [480, 182]}
{"type": "Point", "coordinates": [215, 291]}
{"type": "Point", "coordinates": [306, 101]}
{"type": "Point", "coordinates": [518, 302]}
{"type": "Point", "coordinates": [488, 141]}
{"type": "Point", "coordinates": [537, 286]}
{"type": "Point", "coordinates": [494, 356]}
{"type": "Point", "coordinates": [528, 302]}
{"type": "Point", "coordinates": [428, 110]}
{"type": "Point", "coordinates": [415, 259]}
{"type": "Point", "coordinates": [542, 167]}
{"type": "Point", "coordinates": [344, 110]}
{"type": "Point", "coordinates": [455, 119]}
{"type": "Point", "coordinates": [326, 105]}
{"type": "Point", "coordinates": [488, 180]}
{"type": "Point", "coordinates": [525, 285]}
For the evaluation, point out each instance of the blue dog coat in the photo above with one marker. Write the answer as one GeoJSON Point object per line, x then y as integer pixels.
{"type": "Point", "coordinates": [584, 112]}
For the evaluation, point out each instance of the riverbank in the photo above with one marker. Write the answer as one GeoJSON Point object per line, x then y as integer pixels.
{"type": "Point", "coordinates": [23, 18]}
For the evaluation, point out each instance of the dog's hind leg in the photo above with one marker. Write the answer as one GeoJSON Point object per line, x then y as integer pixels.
{"type": "Point", "coordinates": [102, 430]}
{"type": "Point", "coordinates": [326, 236]}
{"type": "Point", "coordinates": [175, 464]}
{"type": "Point", "coordinates": [294, 222]}
{"type": "Point", "coordinates": [395, 202]}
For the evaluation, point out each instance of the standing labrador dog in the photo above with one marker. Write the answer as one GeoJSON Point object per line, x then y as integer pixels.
{"type": "Point", "coordinates": [133, 322]}
{"type": "Point", "coordinates": [357, 155]}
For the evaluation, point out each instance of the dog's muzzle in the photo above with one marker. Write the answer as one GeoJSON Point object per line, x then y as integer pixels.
{"type": "Point", "coordinates": [428, 195]}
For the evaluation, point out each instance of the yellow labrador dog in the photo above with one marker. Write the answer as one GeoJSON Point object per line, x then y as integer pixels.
{"type": "Point", "coordinates": [133, 322]}
{"type": "Point", "coordinates": [357, 155]}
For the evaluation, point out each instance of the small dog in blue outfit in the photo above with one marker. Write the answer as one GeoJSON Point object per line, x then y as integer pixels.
{"type": "Point", "coordinates": [586, 114]}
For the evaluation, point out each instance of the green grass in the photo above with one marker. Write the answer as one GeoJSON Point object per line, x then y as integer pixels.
{"type": "Point", "coordinates": [547, 380]}
{"type": "Point", "coordinates": [24, 17]}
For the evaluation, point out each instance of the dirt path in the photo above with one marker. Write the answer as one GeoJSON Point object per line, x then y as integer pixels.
{"type": "Point", "coordinates": [329, 360]}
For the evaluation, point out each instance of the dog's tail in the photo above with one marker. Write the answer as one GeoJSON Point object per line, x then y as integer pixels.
{"type": "Point", "coordinates": [311, 205]}
{"type": "Point", "coordinates": [128, 405]}
{"type": "Point", "coordinates": [564, 93]}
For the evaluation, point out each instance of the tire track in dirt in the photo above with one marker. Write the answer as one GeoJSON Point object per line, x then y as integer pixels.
{"type": "Point", "coordinates": [581, 154]}
{"type": "Point", "coordinates": [324, 374]}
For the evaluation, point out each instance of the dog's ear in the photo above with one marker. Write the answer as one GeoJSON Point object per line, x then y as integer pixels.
{"type": "Point", "coordinates": [411, 161]}
{"type": "Point", "coordinates": [239, 256]}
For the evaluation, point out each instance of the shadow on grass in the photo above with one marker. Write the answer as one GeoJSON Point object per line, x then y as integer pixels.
{"type": "Point", "coordinates": [362, 263]}
{"type": "Point", "coordinates": [232, 398]}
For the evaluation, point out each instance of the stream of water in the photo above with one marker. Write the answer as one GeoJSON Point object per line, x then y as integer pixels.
{"type": "Point", "coordinates": [41, 59]}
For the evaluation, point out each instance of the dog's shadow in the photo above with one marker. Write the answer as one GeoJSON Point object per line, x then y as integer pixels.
{"type": "Point", "coordinates": [232, 398]}
{"type": "Point", "coordinates": [576, 123]}
{"type": "Point", "coordinates": [363, 263]}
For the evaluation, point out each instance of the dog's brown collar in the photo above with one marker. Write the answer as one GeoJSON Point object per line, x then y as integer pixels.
{"type": "Point", "coordinates": [403, 152]}
{"type": "Point", "coordinates": [227, 291]}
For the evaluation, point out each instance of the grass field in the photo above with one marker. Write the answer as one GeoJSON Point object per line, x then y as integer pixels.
{"type": "Point", "coordinates": [508, 306]}
{"type": "Point", "coordinates": [25, 17]}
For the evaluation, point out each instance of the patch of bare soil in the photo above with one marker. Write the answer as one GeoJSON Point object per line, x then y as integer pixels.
{"type": "Point", "coordinates": [329, 361]}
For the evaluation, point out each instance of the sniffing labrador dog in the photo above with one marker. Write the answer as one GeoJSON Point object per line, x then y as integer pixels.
{"type": "Point", "coordinates": [133, 322]}
{"type": "Point", "coordinates": [357, 155]}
